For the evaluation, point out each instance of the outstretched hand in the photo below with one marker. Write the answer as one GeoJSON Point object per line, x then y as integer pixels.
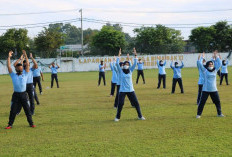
{"type": "Point", "coordinates": [10, 54]}
{"type": "Point", "coordinates": [203, 54]}
{"type": "Point", "coordinates": [128, 56]}
{"type": "Point", "coordinates": [134, 51]}
{"type": "Point", "coordinates": [24, 52]}
{"type": "Point", "coordinates": [119, 52]}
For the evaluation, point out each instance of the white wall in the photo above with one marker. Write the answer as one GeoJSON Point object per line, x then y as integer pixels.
{"type": "Point", "coordinates": [91, 63]}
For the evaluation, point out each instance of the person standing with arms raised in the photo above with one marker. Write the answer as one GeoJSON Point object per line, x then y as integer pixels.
{"type": "Point", "coordinates": [54, 68]}
{"type": "Point", "coordinates": [126, 88]}
{"type": "Point", "coordinates": [210, 85]}
{"type": "Point", "coordinates": [114, 78]}
{"type": "Point", "coordinates": [19, 97]}
{"type": "Point", "coordinates": [37, 75]}
{"type": "Point", "coordinates": [162, 73]}
{"type": "Point", "coordinates": [140, 71]}
{"type": "Point", "coordinates": [201, 77]}
{"type": "Point", "coordinates": [30, 87]}
{"type": "Point", "coordinates": [102, 67]}
{"type": "Point", "coordinates": [224, 72]}
{"type": "Point", "coordinates": [177, 77]}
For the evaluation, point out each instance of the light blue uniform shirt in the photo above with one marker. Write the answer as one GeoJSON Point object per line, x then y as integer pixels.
{"type": "Point", "coordinates": [140, 66]}
{"type": "Point", "coordinates": [114, 78]}
{"type": "Point", "coordinates": [126, 79]}
{"type": "Point", "coordinates": [177, 70]}
{"type": "Point", "coordinates": [36, 72]}
{"type": "Point", "coordinates": [19, 81]}
{"type": "Point", "coordinates": [118, 75]}
{"type": "Point", "coordinates": [30, 76]}
{"type": "Point", "coordinates": [161, 68]}
{"type": "Point", "coordinates": [101, 66]}
{"type": "Point", "coordinates": [224, 68]}
{"type": "Point", "coordinates": [201, 75]}
{"type": "Point", "coordinates": [54, 69]}
{"type": "Point", "coordinates": [210, 77]}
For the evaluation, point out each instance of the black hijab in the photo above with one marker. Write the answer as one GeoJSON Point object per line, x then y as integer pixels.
{"type": "Point", "coordinates": [207, 66]}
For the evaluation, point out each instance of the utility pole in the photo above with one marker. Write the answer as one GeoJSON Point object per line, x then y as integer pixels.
{"type": "Point", "coordinates": [82, 51]}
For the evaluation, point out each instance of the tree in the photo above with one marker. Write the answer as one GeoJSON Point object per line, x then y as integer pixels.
{"type": "Point", "coordinates": [15, 40]}
{"type": "Point", "coordinates": [88, 34]}
{"type": "Point", "coordinates": [218, 36]}
{"type": "Point", "coordinates": [158, 40]}
{"type": "Point", "coordinates": [48, 41]}
{"type": "Point", "coordinates": [203, 38]}
{"type": "Point", "coordinates": [107, 41]}
{"type": "Point", "coordinates": [72, 34]}
{"type": "Point", "coordinates": [222, 36]}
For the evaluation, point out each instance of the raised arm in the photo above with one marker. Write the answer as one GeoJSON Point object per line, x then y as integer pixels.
{"type": "Point", "coordinates": [157, 63]}
{"type": "Point", "coordinates": [27, 61]}
{"type": "Point", "coordinates": [57, 65]}
{"type": "Point", "coordinates": [135, 61]}
{"type": "Point", "coordinates": [182, 64]}
{"type": "Point", "coordinates": [200, 63]}
{"type": "Point", "coordinates": [19, 60]}
{"type": "Point", "coordinates": [35, 65]}
{"type": "Point", "coordinates": [171, 65]}
{"type": "Point", "coordinates": [111, 65]}
{"type": "Point", "coordinates": [198, 60]}
{"type": "Point", "coordinates": [8, 62]}
{"type": "Point", "coordinates": [164, 62]}
{"type": "Point", "coordinates": [114, 64]}
{"type": "Point", "coordinates": [218, 63]}
{"type": "Point", "coordinates": [117, 61]}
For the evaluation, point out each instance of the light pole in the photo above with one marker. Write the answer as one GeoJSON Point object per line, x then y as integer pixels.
{"type": "Point", "coordinates": [82, 51]}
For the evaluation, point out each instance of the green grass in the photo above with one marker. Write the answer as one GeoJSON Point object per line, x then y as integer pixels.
{"type": "Point", "coordinates": [77, 120]}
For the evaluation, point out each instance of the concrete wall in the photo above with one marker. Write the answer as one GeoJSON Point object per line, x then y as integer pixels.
{"type": "Point", "coordinates": [91, 63]}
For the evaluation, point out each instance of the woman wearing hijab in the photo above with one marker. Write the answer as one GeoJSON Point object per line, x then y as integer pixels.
{"type": "Point", "coordinates": [209, 85]}
{"type": "Point", "coordinates": [118, 71]}
{"type": "Point", "coordinates": [177, 76]}
{"type": "Point", "coordinates": [126, 88]}
{"type": "Point", "coordinates": [224, 72]}
{"type": "Point", "coordinates": [114, 77]}
{"type": "Point", "coordinates": [201, 77]}
{"type": "Point", "coordinates": [162, 73]}
{"type": "Point", "coordinates": [102, 73]}
{"type": "Point", "coordinates": [140, 71]}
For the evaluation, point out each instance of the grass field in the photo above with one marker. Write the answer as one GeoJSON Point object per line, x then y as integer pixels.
{"type": "Point", "coordinates": [77, 120]}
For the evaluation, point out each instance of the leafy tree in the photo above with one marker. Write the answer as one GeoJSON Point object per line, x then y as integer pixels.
{"type": "Point", "coordinates": [222, 36]}
{"type": "Point", "coordinates": [158, 40]}
{"type": "Point", "coordinates": [202, 38]}
{"type": "Point", "coordinates": [107, 41]}
{"type": "Point", "coordinates": [48, 41]}
{"type": "Point", "coordinates": [13, 39]}
{"type": "Point", "coordinates": [72, 34]}
{"type": "Point", "coordinates": [88, 34]}
{"type": "Point", "coordinates": [218, 36]}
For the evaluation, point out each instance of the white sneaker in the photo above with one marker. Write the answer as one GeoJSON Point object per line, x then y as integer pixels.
{"type": "Point", "coordinates": [142, 118]}
{"type": "Point", "coordinates": [115, 108]}
{"type": "Point", "coordinates": [221, 115]}
{"type": "Point", "coordinates": [198, 116]}
{"type": "Point", "coordinates": [116, 119]}
{"type": "Point", "coordinates": [41, 93]}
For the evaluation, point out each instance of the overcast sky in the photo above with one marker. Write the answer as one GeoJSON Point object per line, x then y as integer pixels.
{"type": "Point", "coordinates": [98, 9]}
